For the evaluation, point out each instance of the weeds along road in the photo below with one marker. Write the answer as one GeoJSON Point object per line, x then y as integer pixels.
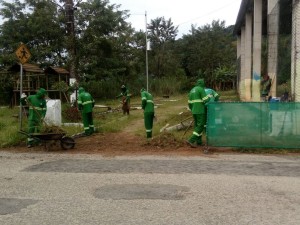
{"type": "Point", "coordinates": [74, 189]}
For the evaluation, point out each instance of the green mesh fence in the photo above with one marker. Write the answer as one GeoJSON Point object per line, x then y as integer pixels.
{"type": "Point", "coordinates": [261, 124]}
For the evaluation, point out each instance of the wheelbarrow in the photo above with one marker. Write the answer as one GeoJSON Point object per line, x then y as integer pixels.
{"type": "Point", "coordinates": [52, 139]}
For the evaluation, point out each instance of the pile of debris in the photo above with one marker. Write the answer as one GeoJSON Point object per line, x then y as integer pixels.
{"type": "Point", "coordinates": [52, 129]}
{"type": "Point", "coordinates": [166, 140]}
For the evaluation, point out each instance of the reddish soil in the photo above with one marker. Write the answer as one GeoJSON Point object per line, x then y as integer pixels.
{"type": "Point", "coordinates": [122, 143]}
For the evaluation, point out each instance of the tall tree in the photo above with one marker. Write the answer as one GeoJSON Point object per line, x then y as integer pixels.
{"type": "Point", "coordinates": [104, 41]}
{"type": "Point", "coordinates": [162, 34]}
{"type": "Point", "coordinates": [11, 30]}
{"type": "Point", "coordinates": [207, 48]}
{"type": "Point", "coordinates": [38, 25]}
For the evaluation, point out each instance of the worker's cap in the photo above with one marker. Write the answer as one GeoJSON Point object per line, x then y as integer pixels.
{"type": "Point", "coordinates": [143, 89]}
{"type": "Point", "coordinates": [41, 92]}
{"type": "Point", "coordinates": [123, 86]}
{"type": "Point", "coordinates": [200, 83]}
{"type": "Point", "coordinates": [80, 90]}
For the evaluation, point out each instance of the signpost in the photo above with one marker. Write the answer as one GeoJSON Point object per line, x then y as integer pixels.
{"type": "Point", "coordinates": [23, 55]}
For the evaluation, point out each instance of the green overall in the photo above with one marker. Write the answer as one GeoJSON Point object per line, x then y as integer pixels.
{"type": "Point", "coordinates": [85, 105]}
{"type": "Point", "coordinates": [213, 97]}
{"type": "Point", "coordinates": [148, 107]}
{"type": "Point", "coordinates": [37, 111]}
{"type": "Point", "coordinates": [196, 103]}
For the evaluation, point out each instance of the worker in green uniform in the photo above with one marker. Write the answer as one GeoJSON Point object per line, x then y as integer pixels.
{"type": "Point", "coordinates": [37, 111]}
{"type": "Point", "coordinates": [266, 84]}
{"type": "Point", "coordinates": [212, 94]}
{"type": "Point", "coordinates": [148, 107]}
{"type": "Point", "coordinates": [125, 99]}
{"type": "Point", "coordinates": [196, 103]}
{"type": "Point", "coordinates": [213, 97]}
{"type": "Point", "coordinates": [85, 105]}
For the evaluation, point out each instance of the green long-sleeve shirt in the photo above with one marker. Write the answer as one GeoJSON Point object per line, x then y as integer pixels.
{"type": "Point", "coordinates": [37, 107]}
{"type": "Point", "coordinates": [198, 98]}
{"type": "Point", "coordinates": [85, 102]}
{"type": "Point", "coordinates": [126, 94]}
{"type": "Point", "coordinates": [147, 101]}
{"type": "Point", "coordinates": [212, 94]}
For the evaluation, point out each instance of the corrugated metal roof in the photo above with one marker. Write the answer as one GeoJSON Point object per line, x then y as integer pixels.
{"type": "Point", "coordinates": [56, 70]}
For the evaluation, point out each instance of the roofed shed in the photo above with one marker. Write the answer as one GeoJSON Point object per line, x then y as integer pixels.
{"type": "Point", "coordinates": [33, 79]}
{"type": "Point", "coordinates": [57, 80]}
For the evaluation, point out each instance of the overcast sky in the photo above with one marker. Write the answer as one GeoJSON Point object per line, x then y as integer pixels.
{"type": "Point", "coordinates": [182, 12]}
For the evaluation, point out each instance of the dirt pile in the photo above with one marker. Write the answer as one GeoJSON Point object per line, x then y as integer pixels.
{"type": "Point", "coordinates": [166, 140]}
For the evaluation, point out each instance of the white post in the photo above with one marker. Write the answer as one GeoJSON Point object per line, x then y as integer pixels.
{"type": "Point", "coordinates": [21, 90]}
{"type": "Point", "coordinates": [73, 96]}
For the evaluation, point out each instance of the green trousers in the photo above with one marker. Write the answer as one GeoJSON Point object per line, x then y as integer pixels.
{"type": "Point", "coordinates": [199, 122]}
{"type": "Point", "coordinates": [88, 123]}
{"type": "Point", "coordinates": [148, 120]}
{"type": "Point", "coordinates": [33, 127]}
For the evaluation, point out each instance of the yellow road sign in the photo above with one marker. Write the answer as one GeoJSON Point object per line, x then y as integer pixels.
{"type": "Point", "coordinates": [23, 53]}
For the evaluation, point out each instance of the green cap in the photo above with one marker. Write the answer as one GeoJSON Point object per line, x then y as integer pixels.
{"type": "Point", "coordinates": [80, 90]}
{"type": "Point", "coordinates": [41, 93]}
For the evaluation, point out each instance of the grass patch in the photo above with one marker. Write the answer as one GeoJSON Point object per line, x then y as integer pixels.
{"type": "Point", "coordinates": [9, 126]}
{"type": "Point", "coordinates": [172, 111]}
{"type": "Point", "coordinates": [229, 96]}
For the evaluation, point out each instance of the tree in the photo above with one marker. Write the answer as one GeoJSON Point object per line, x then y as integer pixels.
{"type": "Point", "coordinates": [207, 48]}
{"type": "Point", "coordinates": [162, 34]}
{"type": "Point", "coordinates": [103, 38]}
{"type": "Point", "coordinates": [104, 41]}
{"type": "Point", "coordinates": [11, 30]}
{"type": "Point", "coordinates": [38, 24]}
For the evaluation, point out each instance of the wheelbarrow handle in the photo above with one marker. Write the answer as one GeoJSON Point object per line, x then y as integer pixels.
{"type": "Point", "coordinates": [24, 132]}
{"type": "Point", "coordinates": [28, 135]}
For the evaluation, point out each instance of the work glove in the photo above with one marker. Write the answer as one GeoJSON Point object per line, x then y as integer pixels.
{"type": "Point", "coordinates": [23, 99]}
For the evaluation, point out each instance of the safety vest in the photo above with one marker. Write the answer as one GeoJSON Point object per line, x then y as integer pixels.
{"type": "Point", "coordinates": [197, 100]}
{"type": "Point", "coordinates": [86, 102]}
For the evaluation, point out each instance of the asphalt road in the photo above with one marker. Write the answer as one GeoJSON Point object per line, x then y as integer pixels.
{"type": "Point", "coordinates": [37, 189]}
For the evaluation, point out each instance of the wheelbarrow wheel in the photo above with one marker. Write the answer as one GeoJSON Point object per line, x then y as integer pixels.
{"type": "Point", "coordinates": [67, 143]}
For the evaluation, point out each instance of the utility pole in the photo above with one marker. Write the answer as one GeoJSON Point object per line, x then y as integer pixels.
{"type": "Point", "coordinates": [69, 9]}
{"type": "Point", "coordinates": [146, 34]}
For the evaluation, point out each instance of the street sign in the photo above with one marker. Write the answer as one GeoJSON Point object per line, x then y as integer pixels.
{"type": "Point", "coordinates": [23, 53]}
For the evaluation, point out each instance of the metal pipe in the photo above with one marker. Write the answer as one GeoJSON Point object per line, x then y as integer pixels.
{"type": "Point", "coordinates": [21, 90]}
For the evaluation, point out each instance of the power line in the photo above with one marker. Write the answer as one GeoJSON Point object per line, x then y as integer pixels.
{"type": "Point", "coordinates": [212, 12]}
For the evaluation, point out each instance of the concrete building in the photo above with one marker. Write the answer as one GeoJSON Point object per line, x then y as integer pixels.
{"type": "Point", "coordinates": [258, 28]}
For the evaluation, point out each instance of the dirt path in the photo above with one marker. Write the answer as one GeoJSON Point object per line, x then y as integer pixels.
{"type": "Point", "coordinates": [125, 143]}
